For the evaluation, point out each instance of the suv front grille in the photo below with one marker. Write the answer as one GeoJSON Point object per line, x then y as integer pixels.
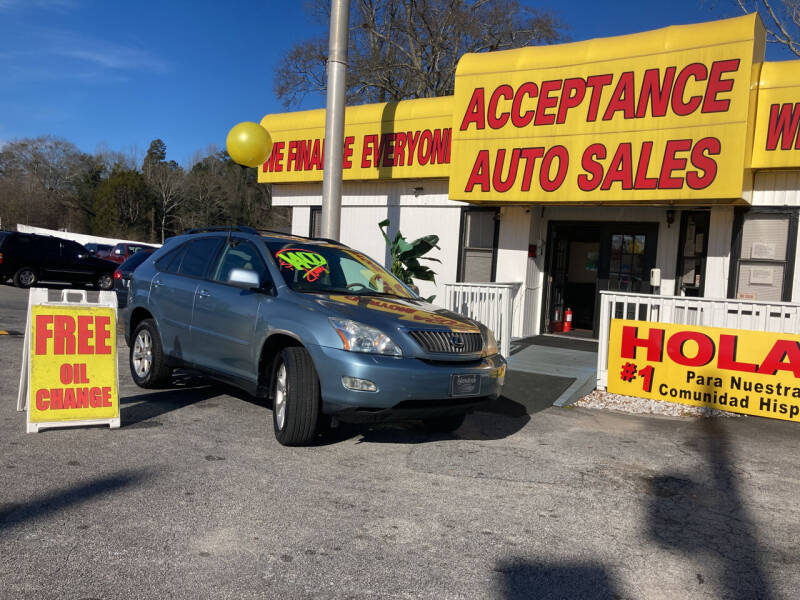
{"type": "Point", "coordinates": [448, 342]}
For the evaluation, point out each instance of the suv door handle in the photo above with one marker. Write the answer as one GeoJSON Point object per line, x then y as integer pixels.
{"type": "Point", "coordinates": [203, 293]}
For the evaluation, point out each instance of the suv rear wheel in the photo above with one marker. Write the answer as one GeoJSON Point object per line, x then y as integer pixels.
{"type": "Point", "coordinates": [295, 396]}
{"type": "Point", "coordinates": [105, 281]}
{"type": "Point", "coordinates": [148, 363]}
{"type": "Point", "coordinates": [25, 277]}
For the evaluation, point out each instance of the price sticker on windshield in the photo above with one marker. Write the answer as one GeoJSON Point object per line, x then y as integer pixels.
{"type": "Point", "coordinates": [311, 264]}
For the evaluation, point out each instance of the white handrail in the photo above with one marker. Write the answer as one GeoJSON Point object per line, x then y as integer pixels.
{"type": "Point", "coordinates": [488, 303]}
{"type": "Point", "coordinates": [778, 317]}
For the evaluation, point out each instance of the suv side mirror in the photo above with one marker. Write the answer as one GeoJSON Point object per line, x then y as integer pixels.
{"type": "Point", "coordinates": [244, 278]}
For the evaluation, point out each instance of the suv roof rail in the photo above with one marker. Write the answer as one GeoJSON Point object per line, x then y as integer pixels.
{"type": "Point", "coordinates": [329, 240]}
{"type": "Point", "coordinates": [279, 232]}
{"type": "Point", "coordinates": [240, 228]}
{"type": "Point", "coordinates": [305, 237]}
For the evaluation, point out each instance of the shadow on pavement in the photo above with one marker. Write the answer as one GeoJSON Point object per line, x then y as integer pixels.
{"type": "Point", "coordinates": [518, 580]}
{"type": "Point", "coordinates": [496, 420]}
{"type": "Point", "coordinates": [12, 514]}
{"type": "Point", "coordinates": [57, 286]}
{"type": "Point", "coordinates": [185, 389]}
{"type": "Point", "coordinates": [524, 394]}
{"type": "Point", "coordinates": [702, 515]}
{"type": "Point", "coordinates": [49, 285]}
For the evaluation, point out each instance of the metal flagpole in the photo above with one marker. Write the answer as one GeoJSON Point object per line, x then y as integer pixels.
{"type": "Point", "coordinates": [334, 120]}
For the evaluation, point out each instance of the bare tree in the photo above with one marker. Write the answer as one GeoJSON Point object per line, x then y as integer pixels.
{"type": "Point", "coordinates": [410, 48]}
{"type": "Point", "coordinates": [118, 159]}
{"type": "Point", "coordinates": [166, 181]}
{"type": "Point", "coordinates": [205, 194]}
{"type": "Point", "coordinates": [782, 19]}
{"type": "Point", "coordinates": [48, 182]}
{"type": "Point", "coordinates": [217, 191]}
{"type": "Point", "coordinates": [46, 173]}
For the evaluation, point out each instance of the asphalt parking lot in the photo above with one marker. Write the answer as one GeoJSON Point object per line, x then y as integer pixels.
{"type": "Point", "coordinates": [193, 498]}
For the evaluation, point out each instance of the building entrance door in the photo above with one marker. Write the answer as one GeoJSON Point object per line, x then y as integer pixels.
{"type": "Point", "coordinates": [585, 258]}
{"type": "Point", "coordinates": [692, 253]}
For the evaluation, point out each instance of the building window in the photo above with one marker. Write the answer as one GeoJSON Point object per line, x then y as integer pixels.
{"type": "Point", "coordinates": [315, 226]}
{"type": "Point", "coordinates": [762, 259]}
{"type": "Point", "coordinates": [478, 256]}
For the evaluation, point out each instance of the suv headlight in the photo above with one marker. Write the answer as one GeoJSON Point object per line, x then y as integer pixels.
{"type": "Point", "coordinates": [490, 343]}
{"type": "Point", "coordinates": [358, 337]}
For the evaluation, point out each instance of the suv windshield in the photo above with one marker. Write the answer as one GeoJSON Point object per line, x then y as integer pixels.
{"type": "Point", "coordinates": [323, 268]}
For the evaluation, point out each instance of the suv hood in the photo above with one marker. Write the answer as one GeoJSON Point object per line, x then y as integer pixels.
{"type": "Point", "coordinates": [383, 311]}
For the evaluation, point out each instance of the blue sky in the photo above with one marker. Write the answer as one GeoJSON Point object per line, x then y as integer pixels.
{"type": "Point", "coordinates": [122, 73]}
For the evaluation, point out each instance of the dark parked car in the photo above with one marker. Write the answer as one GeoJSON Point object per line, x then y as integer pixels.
{"type": "Point", "coordinates": [122, 276]}
{"type": "Point", "coordinates": [317, 326]}
{"type": "Point", "coordinates": [99, 250]}
{"type": "Point", "coordinates": [28, 258]}
{"type": "Point", "coordinates": [123, 251]}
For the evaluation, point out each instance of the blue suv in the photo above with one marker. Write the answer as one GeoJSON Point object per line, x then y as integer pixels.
{"type": "Point", "coordinates": [318, 327]}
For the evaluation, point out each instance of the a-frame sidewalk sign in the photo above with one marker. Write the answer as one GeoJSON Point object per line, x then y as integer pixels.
{"type": "Point", "coordinates": [69, 374]}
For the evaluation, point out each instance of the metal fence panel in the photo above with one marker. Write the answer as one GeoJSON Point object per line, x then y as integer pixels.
{"type": "Point", "coordinates": [490, 303]}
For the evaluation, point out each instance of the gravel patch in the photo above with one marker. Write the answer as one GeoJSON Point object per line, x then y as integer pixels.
{"type": "Point", "coordinates": [629, 404]}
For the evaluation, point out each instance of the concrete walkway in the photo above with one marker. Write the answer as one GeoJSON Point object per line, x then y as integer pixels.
{"type": "Point", "coordinates": [549, 370]}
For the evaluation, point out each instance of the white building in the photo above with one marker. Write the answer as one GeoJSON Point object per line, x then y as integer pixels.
{"type": "Point", "coordinates": [568, 170]}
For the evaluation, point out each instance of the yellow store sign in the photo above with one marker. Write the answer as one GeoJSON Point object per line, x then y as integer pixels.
{"type": "Point", "coordinates": [682, 114]}
{"type": "Point", "coordinates": [398, 140]}
{"type": "Point", "coordinates": [662, 115]}
{"type": "Point", "coordinates": [777, 135]}
{"type": "Point", "coordinates": [750, 372]}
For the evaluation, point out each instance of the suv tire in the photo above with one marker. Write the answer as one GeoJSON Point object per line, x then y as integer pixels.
{"type": "Point", "coordinates": [444, 424]}
{"type": "Point", "coordinates": [24, 277]}
{"type": "Point", "coordinates": [105, 281]}
{"type": "Point", "coordinates": [295, 397]}
{"type": "Point", "coordinates": [146, 358]}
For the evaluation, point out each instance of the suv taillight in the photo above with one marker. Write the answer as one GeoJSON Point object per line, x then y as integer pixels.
{"type": "Point", "coordinates": [1, 258]}
{"type": "Point", "coordinates": [117, 274]}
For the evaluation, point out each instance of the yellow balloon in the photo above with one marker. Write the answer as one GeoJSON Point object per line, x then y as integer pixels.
{"type": "Point", "coordinates": [249, 144]}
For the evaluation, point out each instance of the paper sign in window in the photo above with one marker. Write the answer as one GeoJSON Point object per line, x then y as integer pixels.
{"type": "Point", "coordinates": [761, 276]}
{"type": "Point", "coordinates": [763, 251]}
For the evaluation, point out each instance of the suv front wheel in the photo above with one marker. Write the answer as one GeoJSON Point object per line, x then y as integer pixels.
{"type": "Point", "coordinates": [295, 397]}
{"type": "Point", "coordinates": [148, 363]}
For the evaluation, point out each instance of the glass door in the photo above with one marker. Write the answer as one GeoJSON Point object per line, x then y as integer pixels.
{"type": "Point", "coordinates": [692, 252]}
{"type": "Point", "coordinates": [558, 280]}
{"type": "Point", "coordinates": [628, 270]}
{"type": "Point", "coordinates": [586, 257]}
{"type": "Point", "coordinates": [627, 253]}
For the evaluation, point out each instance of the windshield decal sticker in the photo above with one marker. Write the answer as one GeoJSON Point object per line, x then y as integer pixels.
{"type": "Point", "coordinates": [310, 263]}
